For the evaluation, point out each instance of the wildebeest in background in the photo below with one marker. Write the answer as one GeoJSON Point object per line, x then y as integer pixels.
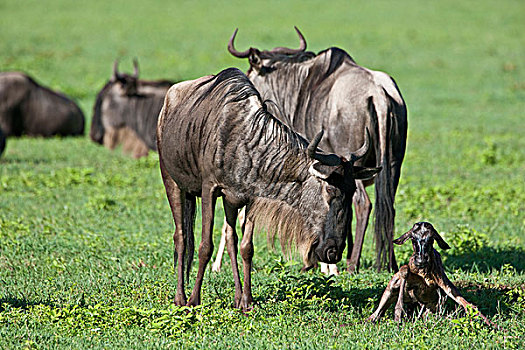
{"type": "Point", "coordinates": [330, 91]}
{"type": "Point", "coordinates": [126, 112]}
{"type": "Point", "coordinates": [27, 108]}
{"type": "Point", "coordinates": [2, 142]}
{"type": "Point", "coordinates": [216, 138]}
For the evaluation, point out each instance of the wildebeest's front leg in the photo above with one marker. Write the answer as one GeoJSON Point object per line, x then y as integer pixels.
{"type": "Point", "coordinates": [363, 207]}
{"type": "Point", "coordinates": [206, 247]}
{"type": "Point", "coordinates": [232, 242]}
{"type": "Point", "coordinates": [247, 255]}
{"type": "Point", "coordinates": [176, 199]}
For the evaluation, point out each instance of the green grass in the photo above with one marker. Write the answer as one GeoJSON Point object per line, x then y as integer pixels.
{"type": "Point", "coordinates": [86, 248]}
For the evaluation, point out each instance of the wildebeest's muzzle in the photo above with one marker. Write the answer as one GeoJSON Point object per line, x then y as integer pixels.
{"type": "Point", "coordinates": [328, 251]}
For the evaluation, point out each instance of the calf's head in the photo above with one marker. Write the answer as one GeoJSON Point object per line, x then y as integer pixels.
{"type": "Point", "coordinates": [423, 236]}
{"type": "Point", "coordinates": [327, 197]}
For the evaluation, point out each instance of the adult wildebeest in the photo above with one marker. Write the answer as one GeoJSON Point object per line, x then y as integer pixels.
{"type": "Point", "coordinates": [330, 91]}
{"type": "Point", "coordinates": [216, 138]}
{"type": "Point", "coordinates": [2, 142]}
{"type": "Point", "coordinates": [126, 111]}
{"type": "Point", "coordinates": [27, 108]}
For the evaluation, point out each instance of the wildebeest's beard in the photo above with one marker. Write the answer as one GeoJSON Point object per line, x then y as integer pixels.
{"type": "Point", "coordinates": [325, 222]}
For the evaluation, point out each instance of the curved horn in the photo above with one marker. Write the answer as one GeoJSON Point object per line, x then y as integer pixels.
{"type": "Point", "coordinates": [232, 50]}
{"type": "Point", "coordinates": [326, 159]}
{"type": "Point", "coordinates": [287, 51]}
{"type": "Point", "coordinates": [360, 153]}
{"type": "Point", "coordinates": [135, 68]}
{"type": "Point", "coordinates": [115, 69]}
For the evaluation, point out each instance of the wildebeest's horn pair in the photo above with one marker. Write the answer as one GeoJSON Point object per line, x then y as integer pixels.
{"type": "Point", "coordinates": [135, 68]}
{"type": "Point", "coordinates": [281, 50]}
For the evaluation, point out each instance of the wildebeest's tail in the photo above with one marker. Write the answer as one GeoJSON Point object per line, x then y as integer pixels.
{"type": "Point", "coordinates": [384, 189]}
{"type": "Point", "coordinates": [188, 225]}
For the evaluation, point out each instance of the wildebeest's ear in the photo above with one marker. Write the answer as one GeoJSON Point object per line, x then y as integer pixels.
{"type": "Point", "coordinates": [255, 59]}
{"type": "Point", "coordinates": [361, 173]}
{"type": "Point", "coordinates": [440, 241]}
{"type": "Point", "coordinates": [403, 237]}
{"type": "Point", "coordinates": [323, 171]}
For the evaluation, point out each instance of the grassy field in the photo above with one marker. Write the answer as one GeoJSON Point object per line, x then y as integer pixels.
{"type": "Point", "coordinates": [86, 248]}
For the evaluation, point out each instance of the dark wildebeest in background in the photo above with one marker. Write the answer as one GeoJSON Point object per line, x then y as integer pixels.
{"type": "Point", "coordinates": [27, 108]}
{"type": "Point", "coordinates": [126, 112]}
{"type": "Point", "coordinates": [2, 142]}
{"type": "Point", "coordinates": [330, 91]}
{"type": "Point", "coordinates": [216, 138]}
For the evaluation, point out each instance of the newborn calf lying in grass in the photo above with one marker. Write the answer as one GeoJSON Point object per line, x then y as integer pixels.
{"type": "Point", "coordinates": [423, 280]}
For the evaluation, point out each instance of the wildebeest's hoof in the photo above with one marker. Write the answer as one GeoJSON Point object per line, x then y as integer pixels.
{"type": "Point", "coordinates": [180, 300]}
{"type": "Point", "coordinates": [194, 301]}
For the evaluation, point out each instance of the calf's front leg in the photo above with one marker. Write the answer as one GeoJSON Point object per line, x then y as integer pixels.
{"type": "Point", "coordinates": [386, 299]}
{"type": "Point", "coordinates": [398, 311]}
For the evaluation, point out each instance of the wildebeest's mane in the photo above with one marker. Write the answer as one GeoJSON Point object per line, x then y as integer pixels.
{"type": "Point", "coordinates": [320, 69]}
{"type": "Point", "coordinates": [279, 57]}
{"type": "Point", "coordinates": [157, 83]}
{"type": "Point", "coordinates": [337, 58]}
{"type": "Point", "coordinates": [239, 87]}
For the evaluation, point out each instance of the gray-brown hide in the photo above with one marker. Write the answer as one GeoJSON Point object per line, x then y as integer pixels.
{"type": "Point", "coordinates": [330, 91]}
{"type": "Point", "coordinates": [216, 138]}
{"type": "Point", "coordinates": [27, 108]}
{"type": "Point", "coordinates": [2, 142]}
{"type": "Point", "coordinates": [126, 111]}
{"type": "Point", "coordinates": [423, 281]}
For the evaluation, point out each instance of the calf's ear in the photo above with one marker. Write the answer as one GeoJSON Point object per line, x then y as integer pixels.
{"type": "Point", "coordinates": [403, 237]}
{"type": "Point", "coordinates": [440, 241]}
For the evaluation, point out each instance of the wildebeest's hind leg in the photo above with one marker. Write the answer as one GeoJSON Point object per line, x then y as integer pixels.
{"type": "Point", "coordinates": [363, 207]}
{"type": "Point", "coordinates": [206, 247]}
{"type": "Point", "coordinates": [247, 256]}
{"type": "Point", "coordinates": [183, 210]}
{"type": "Point", "coordinates": [232, 241]}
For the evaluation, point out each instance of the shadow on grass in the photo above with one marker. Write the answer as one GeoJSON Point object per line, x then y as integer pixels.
{"type": "Point", "coordinates": [22, 303]}
{"type": "Point", "coordinates": [312, 290]}
{"type": "Point", "coordinates": [486, 259]}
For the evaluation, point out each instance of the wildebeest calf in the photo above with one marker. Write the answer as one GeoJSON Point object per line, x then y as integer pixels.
{"type": "Point", "coordinates": [216, 138]}
{"type": "Point", "coordinates": [126, 112]}
{"type": "Point", "coordinates": [422, 281]}
{"type": "Point", "coordinates": [27, 108]}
